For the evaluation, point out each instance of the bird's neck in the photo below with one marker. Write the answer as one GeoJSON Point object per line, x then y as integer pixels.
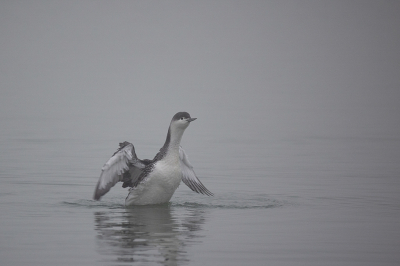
{"type": "Point", "coordinates": [173, 140]}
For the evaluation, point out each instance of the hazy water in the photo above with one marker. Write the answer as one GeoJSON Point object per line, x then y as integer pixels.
{"type": "Point", "coordinates": [298, 200]}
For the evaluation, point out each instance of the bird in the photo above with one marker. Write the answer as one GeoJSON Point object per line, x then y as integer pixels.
{"type": "Point", "coordinates": [152, 181]}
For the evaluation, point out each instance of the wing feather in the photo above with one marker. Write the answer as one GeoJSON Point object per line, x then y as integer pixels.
{"type": "Point", "coordinates": [113, 170]}
{"type": "Point", "coordinates": [189, 177]}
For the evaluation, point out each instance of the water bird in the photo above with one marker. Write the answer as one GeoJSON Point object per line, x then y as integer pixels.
{"type": "Point", "coordinates": [152, 181]}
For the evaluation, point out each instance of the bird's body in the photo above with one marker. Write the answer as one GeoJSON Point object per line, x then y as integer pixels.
{"type": "Point", "coordinates": [158, 187]}
{"type": "Point", "coordinates": [152, 181]}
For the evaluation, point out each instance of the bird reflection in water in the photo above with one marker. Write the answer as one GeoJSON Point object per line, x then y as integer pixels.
{"type": "Point", "coordinates": [156, 234]}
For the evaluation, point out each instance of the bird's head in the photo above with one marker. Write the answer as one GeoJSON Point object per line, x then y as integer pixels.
{"type": "Point", "coordinates": [181, 120]}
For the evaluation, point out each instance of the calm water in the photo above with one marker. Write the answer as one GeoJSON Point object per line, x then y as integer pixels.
{"type": "Point", "coordinates": [294, 199]}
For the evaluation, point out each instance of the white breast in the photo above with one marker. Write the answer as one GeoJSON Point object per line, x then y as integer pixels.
{"type": "Point", "coordinates": [159, 185]}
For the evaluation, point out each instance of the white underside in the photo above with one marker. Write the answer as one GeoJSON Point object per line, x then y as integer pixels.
{"type": "Point", "coordinates": [159, 185]}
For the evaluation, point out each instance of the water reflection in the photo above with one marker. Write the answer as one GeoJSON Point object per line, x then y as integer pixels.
{"type": "Point", "coordinates": [156, 234]}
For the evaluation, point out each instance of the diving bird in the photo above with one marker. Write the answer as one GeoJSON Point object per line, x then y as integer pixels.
{"type": "Point", "coordinates": [152, 181]}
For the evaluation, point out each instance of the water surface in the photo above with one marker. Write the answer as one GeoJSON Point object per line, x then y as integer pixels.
{"type": "Point", "coordinates": [305, 199]}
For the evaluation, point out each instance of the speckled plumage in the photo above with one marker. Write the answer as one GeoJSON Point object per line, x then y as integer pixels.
{"type": "Point", "coordinates": [152, 181]}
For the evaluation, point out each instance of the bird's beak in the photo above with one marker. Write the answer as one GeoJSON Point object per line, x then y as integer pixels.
{"type": "Point", "coordinates": [191, 119]}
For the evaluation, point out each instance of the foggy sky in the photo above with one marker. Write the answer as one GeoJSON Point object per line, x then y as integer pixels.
{"type": "Point", "coordinates": [92, 66]}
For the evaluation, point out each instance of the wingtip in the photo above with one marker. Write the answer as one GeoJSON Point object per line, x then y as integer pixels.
{"type": "Point", "coordinates": [208, 193]}
{"type": "Point", "coordinates": [96, 196]}
{"type": "Point", "coordinates": [97, 192]}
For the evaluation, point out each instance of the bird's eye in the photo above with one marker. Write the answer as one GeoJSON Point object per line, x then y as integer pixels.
{"type": "Point", "coordinates": [181, 118]}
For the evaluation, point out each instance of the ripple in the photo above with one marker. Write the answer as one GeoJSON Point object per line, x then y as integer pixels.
{"type": "Point", "coordinates": [85, 203]}
{"type": "Point", "coordinates": [227, 201]}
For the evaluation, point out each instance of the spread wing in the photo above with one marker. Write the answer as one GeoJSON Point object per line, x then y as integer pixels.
{"type": "Point", "coordinates": [189, 177]}
{"type": "Point", "coordinates": [123, 165]}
